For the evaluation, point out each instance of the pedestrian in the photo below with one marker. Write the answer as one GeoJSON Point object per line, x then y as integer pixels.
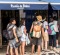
{"type": "Point", "coordinates": [37, 28]}
{"type": "Point", "coordinates": [45, 38]}
{"type": "Point", "coordinates": [52, 36]}
{"type": "Point", "coordinates": [13, 39]}
{"type": "Point", "coordinates": [56, 30]}
{"type": "Point", "coordinates": [23, 37]}
{"type": "Point", "coordinates": [7, 52]}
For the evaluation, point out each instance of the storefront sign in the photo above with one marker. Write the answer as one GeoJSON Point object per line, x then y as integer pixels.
{"type": "Point", "coordinates": [20, 6]}
{"type": "Point", "coordinates": [23, 6]}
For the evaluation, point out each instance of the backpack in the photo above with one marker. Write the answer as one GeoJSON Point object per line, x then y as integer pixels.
{"type": "Point", "coordinates": [37, 32]}
{"type": "Point", "coordinates": [19, 32]}
{"type": "Point", "coordinates": [5, 34]}
{"type": "Point", "coordinates": [10, 32]}
{"type": "Point", "coordinates": [49, 30]}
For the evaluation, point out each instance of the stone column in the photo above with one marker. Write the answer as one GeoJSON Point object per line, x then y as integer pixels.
{"type": "Point", "coordinates": [0, 31]}
{"type": "Point", "coordinates": [21, 14]}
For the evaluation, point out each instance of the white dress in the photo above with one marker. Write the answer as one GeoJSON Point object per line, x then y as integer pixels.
{"type": "Point", "coordinates": [23, 37]}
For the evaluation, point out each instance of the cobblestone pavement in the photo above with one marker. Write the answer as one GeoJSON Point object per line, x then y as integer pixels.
{"type": "Point", "coordinates": [28, 52]}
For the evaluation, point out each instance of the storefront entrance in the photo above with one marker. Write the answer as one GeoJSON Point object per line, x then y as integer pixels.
{"type": "Point", "coordinates": [5, 17]}
{"type": "Point", "coordinates": [29, 17]}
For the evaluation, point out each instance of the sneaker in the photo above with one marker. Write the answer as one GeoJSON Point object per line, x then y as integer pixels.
{"type": "Point", "coordinates": [58, 46]}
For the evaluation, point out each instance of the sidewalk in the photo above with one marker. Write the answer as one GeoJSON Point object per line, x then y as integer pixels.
{"type": "Point", "coordinates": [28, 52]}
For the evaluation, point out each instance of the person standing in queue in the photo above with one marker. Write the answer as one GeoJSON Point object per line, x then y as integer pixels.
{"type": "Point", "coordinates": [45, 38]}
{"type": "Point", "coordinates": [23, 37]}
{"type": "Point", "coordinates": [56, 30]}
{"type": "Point", "coordinates": [13, 39]}
{"type": "Point", "coordinates": [37, 30]}
{"type": "Point", "coordinates": [52, 36]}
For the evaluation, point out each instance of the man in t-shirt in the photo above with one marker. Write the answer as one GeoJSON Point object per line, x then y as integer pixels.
{"type": "Point", "coordinates": [37, 29]}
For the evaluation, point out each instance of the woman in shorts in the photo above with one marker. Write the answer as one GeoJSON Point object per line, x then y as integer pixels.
{"type": "Point", "coordinates": [23, 37]}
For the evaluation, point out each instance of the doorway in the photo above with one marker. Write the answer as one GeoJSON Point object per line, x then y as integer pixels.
{"type": "Point", "coordinates": [6, 15]}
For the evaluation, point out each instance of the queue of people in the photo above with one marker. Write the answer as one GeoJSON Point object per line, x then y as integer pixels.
{"type": "Point", "coordinates": [40, 36]}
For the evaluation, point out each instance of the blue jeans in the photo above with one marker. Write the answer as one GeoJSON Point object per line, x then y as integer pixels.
{"type": "Point", "coordinates": [52, 40]}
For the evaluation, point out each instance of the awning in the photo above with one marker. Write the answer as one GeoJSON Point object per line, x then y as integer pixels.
{"type": "Point", "coordinates": [23, 5]}
{"type": "Point", "coordinates": [55, 6]}
{"type": "Point", "coordinates": [51, 1]}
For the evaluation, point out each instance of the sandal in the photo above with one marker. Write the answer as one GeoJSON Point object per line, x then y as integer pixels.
{"type": "Point", "coordinates": [7, 54]}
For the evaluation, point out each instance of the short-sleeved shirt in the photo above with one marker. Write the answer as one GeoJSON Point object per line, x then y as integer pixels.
{"type": "Point", "coordinates": [51, 24]}
{"type": "Point", "coordinates": [14, 27]}
{"type": "Point", "coordinates": [9, 26]}
{"type": "Point", "coordinates": [56, 25]}
{"type": "Point", "coordinates": [23, 34]}
{"type": "Point", "coordinates": [13, 41]}
{"type": "Point", "coordinates": [37, 23]}
{"type": "Point", "coordinates": [22, 28]}
{"type": "Point", "coordinates": [45, 23]}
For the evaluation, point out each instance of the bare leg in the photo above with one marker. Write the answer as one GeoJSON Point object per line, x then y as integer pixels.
{"type": "Point", "coordinates": [23, 48]}
{"type": "Point", "coordinates": [32, 49]}
{"type": "Point", "coordinates": [7, 49]}
{"type": "Point", "coordinates": [11, 51]}
{"type": "Point", "coordinates": [42, 44]}
{"type": "Point", "coordinates": [57, 43]}
{"type": "Point", "coordinates": [39, 49]}
{"type": "Point", "coordinates": [16, 51]}
{"type": "Point", "coordinates": [20, 50]}
{"type": "Point", "coordinates": [46, 45]}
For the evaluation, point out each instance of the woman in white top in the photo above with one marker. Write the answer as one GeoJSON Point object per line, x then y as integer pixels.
{"type": "Point", "coordinates": [45, 37]}
{"type": "Point", "coordinates": [57, 31]}
{"type": "Point", "coordinates": [23, 37]}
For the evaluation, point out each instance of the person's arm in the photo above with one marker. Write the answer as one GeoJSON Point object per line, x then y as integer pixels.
{"type": "Point", "coordinates": [46, 25]}
{"type": "Point", "coordinates": [15, 35]}
{"type": "Point", "coordinates": [42, 31]}
{"type": "Point", "coordinates": [31, 28]}
{"type": "Point", "coordinates": [25, 31]}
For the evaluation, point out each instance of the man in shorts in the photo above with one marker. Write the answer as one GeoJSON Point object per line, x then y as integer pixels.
{"type": "Point", "coordinates": [37, 27]}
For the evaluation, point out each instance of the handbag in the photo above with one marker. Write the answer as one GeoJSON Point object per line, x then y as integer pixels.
{"type": "Point", "coordinates": [19, 32]}
{"type": "Point", "coordinates": [31, 34]}
{"type": "Point", "coordinates": [49, 30]}
{"type": "Point", "coordinates": [27, 40]}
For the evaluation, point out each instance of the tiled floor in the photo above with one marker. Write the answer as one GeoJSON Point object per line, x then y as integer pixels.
{"type": "Point", "coordinates": [28, 52]}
